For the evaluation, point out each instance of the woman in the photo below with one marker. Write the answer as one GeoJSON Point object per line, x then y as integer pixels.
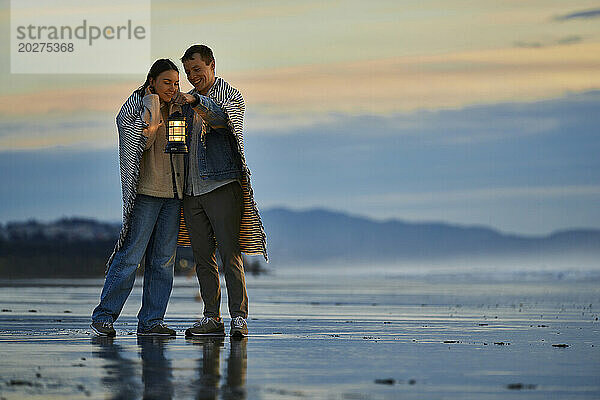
{"type": "Point", "coordinates": [152, 183]}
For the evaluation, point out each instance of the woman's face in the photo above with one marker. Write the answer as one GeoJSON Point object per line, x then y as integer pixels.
{"type": "Point", "coordinates": [166, 84]}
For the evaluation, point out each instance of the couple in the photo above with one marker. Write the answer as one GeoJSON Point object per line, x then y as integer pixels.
{"type": "Point", "coordinates": [211, 183]}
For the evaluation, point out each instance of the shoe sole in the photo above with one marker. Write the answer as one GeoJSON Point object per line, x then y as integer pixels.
{"type": "Point", "coordinates": [156, 334]}
{"type": "Point", "coordinates": [189, 334]}
{"type": "Point", "coordinates": [98, 333]}
{"type": "Point", "coordinates": [238, 334]}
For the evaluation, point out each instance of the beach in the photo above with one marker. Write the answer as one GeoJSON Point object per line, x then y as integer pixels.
{"type": "Point", "coordinates": [318, 334]}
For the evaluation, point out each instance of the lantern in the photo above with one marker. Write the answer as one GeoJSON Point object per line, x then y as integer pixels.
{"type": "Point", "coordinates": [176, 129]}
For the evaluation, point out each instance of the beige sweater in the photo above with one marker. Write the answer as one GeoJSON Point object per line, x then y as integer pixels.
{"type": "Point", "coordinates": [155, 168]}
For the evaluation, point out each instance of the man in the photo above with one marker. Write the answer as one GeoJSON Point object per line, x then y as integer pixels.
{"type": "Point", "coordinates": [219, 208]}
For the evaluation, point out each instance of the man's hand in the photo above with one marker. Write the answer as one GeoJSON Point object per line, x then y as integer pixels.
{"type": "Point", "coordinates": [183, 98]}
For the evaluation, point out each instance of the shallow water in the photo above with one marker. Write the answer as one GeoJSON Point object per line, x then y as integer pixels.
{"type": "Point", "coordinates": [316, 334]}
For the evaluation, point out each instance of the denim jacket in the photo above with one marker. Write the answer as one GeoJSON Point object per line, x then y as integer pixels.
{"type": "Point", "coordinates": [216, 153]}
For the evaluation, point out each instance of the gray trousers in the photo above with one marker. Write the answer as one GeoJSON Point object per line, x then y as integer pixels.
{"type": "Point", "coordinates": [218, 214]}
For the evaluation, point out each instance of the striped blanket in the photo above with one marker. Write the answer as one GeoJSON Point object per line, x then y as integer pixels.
{"type": "Point", "coordinates": [253, 240]}
{"type": "Point", "coordinates": [130, 124]}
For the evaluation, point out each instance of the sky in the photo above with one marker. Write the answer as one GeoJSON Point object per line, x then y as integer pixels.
{"type": "Point", "coordinates": [467, 112]}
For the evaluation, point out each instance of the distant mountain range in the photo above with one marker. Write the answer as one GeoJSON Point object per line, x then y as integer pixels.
{"type": "Point", "coordinates": [304, 237]}
{"type": "Point", "coordinates": [322, 235]}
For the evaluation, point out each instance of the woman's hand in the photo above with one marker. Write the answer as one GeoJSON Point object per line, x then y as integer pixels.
{"type": "Point", "coordinates": [148, 91]}
{"type": "Point", "coordinates": [152, 128]}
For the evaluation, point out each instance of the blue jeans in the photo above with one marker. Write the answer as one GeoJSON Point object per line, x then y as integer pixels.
{"type": "Point", "coordinates": [153, 231]}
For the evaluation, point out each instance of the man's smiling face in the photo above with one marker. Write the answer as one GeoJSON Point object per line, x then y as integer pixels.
{"type": "Point", "coordinates": [199, 74]}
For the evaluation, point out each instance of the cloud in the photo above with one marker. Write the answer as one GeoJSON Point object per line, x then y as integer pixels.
{"type": "Point", "coordinates": [482, 194]}
{"type": "Point", "coordinates": [470, 125]}
{"type": "Point", "coordinates": [571, 39]}
{"type": "Point", "coordinates": [51, 183]}
{"type": "Point", "coordinates": [540, 144]}
{"type": "Point", "coordinates": [529, 45]}
{"type": "Point", "coordinates": [498, 123]}
{"type": "Point", "coordinates": [425, 82]}
{"type": "Point", "coordinates": [224, 11]}
{"type": "Point", "coordinates": [522, 167]}
{"type": "Point", "coordinates": [514, 151]}
{"type": "Point", "coordinates": [84, 130]}
{"type": "Point", "coordinates": [379, 86]}
{"type": "Point", "coordinates": [99, 97]}
{"type": "Point", "coordinates": [588, 14]}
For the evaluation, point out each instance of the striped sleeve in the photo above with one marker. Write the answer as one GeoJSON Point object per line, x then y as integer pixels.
{"type": "Point", "coordinates": [132, 142]}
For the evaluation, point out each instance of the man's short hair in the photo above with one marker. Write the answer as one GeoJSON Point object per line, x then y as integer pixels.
{"type": "Point", "coordinates": [205, 53]}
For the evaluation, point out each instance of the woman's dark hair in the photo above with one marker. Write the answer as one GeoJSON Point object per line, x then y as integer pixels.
{"type": "Point", "coordinates": [161, 65]}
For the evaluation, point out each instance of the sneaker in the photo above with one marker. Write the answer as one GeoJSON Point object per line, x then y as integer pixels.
{"type": "Point", "coordinates": [103, 329]}
{"type": "Point", "coordinates": [160, 329]}
{"type": "Point", "coordinates": [207, 326]}
{"type": "Point", "coordinates": [239, 328]}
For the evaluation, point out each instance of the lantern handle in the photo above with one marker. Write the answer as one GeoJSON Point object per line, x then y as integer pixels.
{"type": "Point", "coordinates": [176, 114]}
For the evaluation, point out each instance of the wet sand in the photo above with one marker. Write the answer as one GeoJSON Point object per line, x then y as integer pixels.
{"type": "Point", "coordinates": [317, 336]}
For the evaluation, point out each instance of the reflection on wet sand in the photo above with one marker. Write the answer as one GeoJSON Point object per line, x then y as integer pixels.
{"type": "Point", "coordinates": [207, 385]}
{"type": "Point", "coordinates": [157, 373]}
{"type": "Point", "coordinates": [121, 374]}
{"type": "Point", "coordinates": [235, 385]}
{"type": "Point", "coordinates": [393, 338]}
